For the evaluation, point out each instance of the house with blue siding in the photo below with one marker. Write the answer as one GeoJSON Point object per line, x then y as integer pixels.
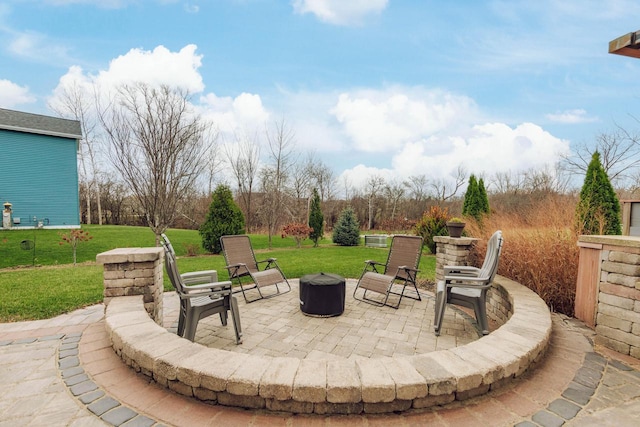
{"type": "Point", "coordinates": [39, 170]}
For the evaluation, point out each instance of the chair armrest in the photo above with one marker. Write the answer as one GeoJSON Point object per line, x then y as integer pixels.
{"type": "Point", "coordinates": [213, 286]}
{"type": "Point", "coordinates": [461, 270]}
{"type": "Point", "coordinates": [218, 289]}
{"type": "Point", "coordinates": [268, 260]}
{"type": "Point", "coordinates": [372, 262]}
{"type": "Point", "coordinates": [196, 277]}
{"type": "Point", "coordinates": [467, 282]}
{"type": "Point", "coordinates": [236, 266]}
{"type": "Point", "coordinates": [407, 268]}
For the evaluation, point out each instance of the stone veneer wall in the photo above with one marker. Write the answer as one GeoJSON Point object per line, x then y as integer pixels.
{"type": "Point", "coordinates": [617, 287]}
{"type": "Point", "coordinates": [135, 271]}
{"type": "Point", "coordinates": [451, 251]}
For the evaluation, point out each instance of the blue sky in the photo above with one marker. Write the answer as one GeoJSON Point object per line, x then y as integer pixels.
{"type": "Point", "coordinates": [388, 87]}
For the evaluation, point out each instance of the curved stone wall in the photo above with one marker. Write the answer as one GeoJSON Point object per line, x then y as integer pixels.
{"type": "Point", "coordinates": [337, 386]}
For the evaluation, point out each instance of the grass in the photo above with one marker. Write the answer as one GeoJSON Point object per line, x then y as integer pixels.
{"type": "Point", "coordinates": [55, 286]}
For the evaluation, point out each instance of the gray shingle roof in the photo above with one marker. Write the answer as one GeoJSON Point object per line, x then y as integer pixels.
{"type": "Point", "coordinates": [36, 123]}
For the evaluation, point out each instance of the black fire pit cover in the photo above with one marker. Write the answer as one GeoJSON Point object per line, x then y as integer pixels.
{"type": "Point", "coordinates": [322, 294]}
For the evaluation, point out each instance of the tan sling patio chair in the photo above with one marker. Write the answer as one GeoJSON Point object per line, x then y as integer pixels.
{"type": "Point", "coordinates": [467, 286]}
{"type": "Point", "coordinates": [401, 269]}
{"type": "Point", "coordinates": [241, 263]}
{"type": "Point", "coordinates": [200, 296]}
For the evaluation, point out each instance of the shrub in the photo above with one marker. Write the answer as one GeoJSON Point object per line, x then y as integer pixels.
{"type": "Point", "coordinates": [73, 238]}
{"type": "Point", "coordinates": [347, 230]}
{"type": "Point", "coordinates": [316, 219]}
{"type": "Point", "coordinates": [476, 202]}
{"type": "Point", "coordinates": [433, 223]}
{"type": "Point", "coordinates": [224, 218]}
{"type": "Point", "coordinates": [598, 211]}
{"type": "Point", "coordinates": [298, 231]}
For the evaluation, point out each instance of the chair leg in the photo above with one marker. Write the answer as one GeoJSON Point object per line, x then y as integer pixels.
{"type": "Point", "coordinates": [223, 318]}
{"type": "Point", "coordinates": [181, 318]}
{"type": "Point", "coordinates": [440, 305]}
{"type": "Point", "coordinates": [235, 317]}
{"type": "Point", "coordinates": [481, 316]}
{"type": "Point", "coordinates": [190, 329]}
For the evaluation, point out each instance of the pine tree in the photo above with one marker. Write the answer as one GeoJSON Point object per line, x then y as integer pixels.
{"type": "Point", "coordinates": [484, 198]}
{"type": "Point", "coordinates": [347, 230]}
{"type": "Point", "coordinates": [598, 210]}
{"type": "Point", "coordinates": [316, 219]}
{"type": "Point", "coordinates": [472, 205]}
{"type": "Point", "coordinates": [224, 218]}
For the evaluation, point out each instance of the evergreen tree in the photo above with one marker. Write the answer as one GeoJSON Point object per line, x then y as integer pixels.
{"type": "Point", "coordinates": [316, 219]}
{"type": "Point", "coordinates": [224, 218]}
{"type": "Point", "coordinates": [347, 230]}
{"type": "Point", "coordinates": [484, 198]}
{"type": "Point", "coordinates": [472, 205]}
{"type": "Point", "coordinates": [598, 210]}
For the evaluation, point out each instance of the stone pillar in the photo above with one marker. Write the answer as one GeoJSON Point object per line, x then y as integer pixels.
{"type": "Point", "coordinates": [451, 251]}
{"type": "Point", "coordinates": [135, 271]}
{"type": "Point", "coordinates": [608, 290]}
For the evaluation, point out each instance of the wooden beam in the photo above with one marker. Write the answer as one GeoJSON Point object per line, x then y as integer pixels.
{"type": "Point", "coordinates": [627, 45]}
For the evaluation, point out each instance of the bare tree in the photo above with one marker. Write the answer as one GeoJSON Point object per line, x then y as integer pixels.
{"type": "Point", "coordinates": [324, 179]}
{"type": "Point", "coordinates": [619, 154]}
{"type": "Point", "coordinates": [445, 189]}
{"type": "Point", "coordinates": [213, 160]}
{"type": "Point", "coordinates": [374, 184]}
{"type": "Point", "coordinates": [417, 185]}
{"type": "Point", "coordinates": [74, 102]}
{"type": "Point", "coordinates": [300, 189]}
{"type": "Point", "coordinates": [157, 146]}
{"type": "Point", "coordinates": [244, 161]}
{"type": "Point", "coordinates": [395, 193]}
{"type": "Point", "coordinates": [280, 141]}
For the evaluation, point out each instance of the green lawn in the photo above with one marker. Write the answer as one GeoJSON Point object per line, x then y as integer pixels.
{"type": "Point", "coordinates": [55, 286]}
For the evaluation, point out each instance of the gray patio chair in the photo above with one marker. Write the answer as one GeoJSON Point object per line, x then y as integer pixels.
{"type": "Point", "coordinates": [467, 286]}
{"type": "Point", "coordinates": [401, 268]}
{"type": "Point", "coordinates": [241, 263]}
{"type": "Point", "coordinates": [200, 296]}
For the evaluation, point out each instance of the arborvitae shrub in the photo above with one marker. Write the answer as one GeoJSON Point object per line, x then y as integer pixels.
{"type": "Point", "coordinates": [224, 218]}
{"type": "Point", "coordinates": [316, 219]}
{"type": "Point", "coordinates": [598, 210]}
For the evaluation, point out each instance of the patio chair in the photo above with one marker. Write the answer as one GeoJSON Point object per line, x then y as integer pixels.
{"type": "Point", "coordinates": [241, 263]}
{"type": "Point", "coordinates": [467, 286]}
{"type": "Point", "coordinates": [200, 296]}
{"type": "Point", "coordinates": [401, 268]}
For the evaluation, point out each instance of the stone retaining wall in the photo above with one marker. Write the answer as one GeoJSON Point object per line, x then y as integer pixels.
{"type": "Point", "coordinates": [344, 386]}
{"type": "Point", "coordinates": [615, 281]}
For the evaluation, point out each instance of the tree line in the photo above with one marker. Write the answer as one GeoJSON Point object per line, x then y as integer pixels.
{"type": "Point", "coordinates": [149, 158]}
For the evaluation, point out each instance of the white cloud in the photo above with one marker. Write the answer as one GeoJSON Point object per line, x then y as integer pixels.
{"type": "Point", "coordinates": [383, 121]}
{"type": "Point", "coordinates": [484, 149]}
{"type": "Point", "coordinates": [191, 8]}
{"type": "Point", "coordinates": [231, 115]}
{"type": "Point", "coordinates": [12, 94]}
{"type": "Point", "coordinates": [159, 66]}
{"type": "Point", "coordinates": [489, 148]}
{"type": "Point", "coordinates": [358, 176]}
{"type": "Point", "coordinates": [37, 47]}
{"type": "Point", "coordinates": [571, 117]}
{"type": "Point", "coordinates": [340, 12]}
